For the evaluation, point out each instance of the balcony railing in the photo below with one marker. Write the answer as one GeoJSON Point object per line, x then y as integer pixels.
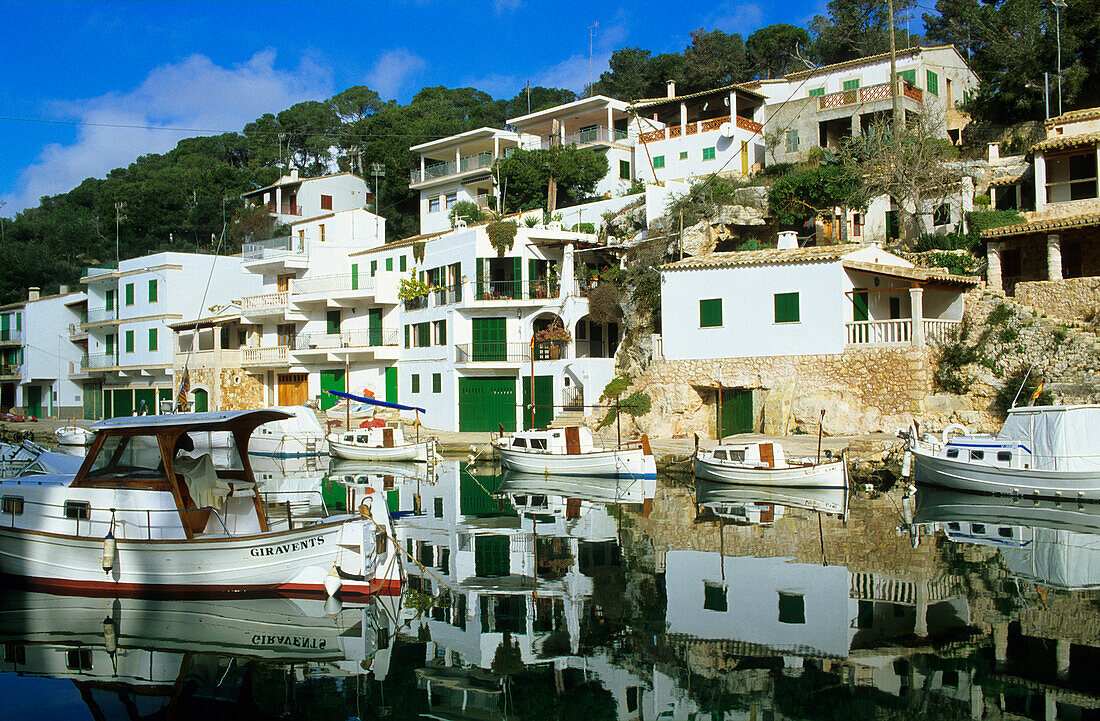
{"type": "Point", "coordinates": [868, 94]}
{"type": "Point", "coordinates": [331, 284]}
{"type": "Point", "coordinates": [290, 209]}
{"type": "Point", "coordinates": [897, 331]}
{"type": "Point", "coordinates": [516, 289]}
{"type": "Point", "coordinates": [442, 170]}
{"type": "Point", "coordinates": [700, 126]}
{"type": "Point", "coordinates": [273, 355]}
{"type": "Point", "coordinates": [346, 339]}
{"type": "Point", "coordinates": [273, 248]}
{"type": "Point", "coordinates": [9, 335]}
{"type": "Point", "coordinates": [493, 351]}
{"type": "Point", "coordinates": [447, 295]}
{"type": "Point", "coordinates": [101, 315]}
{"type": "Point", "coordinates": [99, 360]}
{"type": "Point", "coordinates": [267, 303]}
{"type": "Point", "coordinates": [11, 370]}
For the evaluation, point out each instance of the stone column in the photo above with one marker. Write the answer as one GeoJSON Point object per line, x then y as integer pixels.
{"type": "Point", "coordinates": [1054, 257]}
{"type": "Point", "coordinates": [1000, 644]}
{"type": "Point", "coordinates": [683, 119]}
{"type": "Point", "coordinates": [916, 306]}
{"type": "Point", "coordinates": [855, 125]}
{"type": "Point", "coordinates": [993, 263]}
{"type": "Point", "coordinates": [1061, 657]}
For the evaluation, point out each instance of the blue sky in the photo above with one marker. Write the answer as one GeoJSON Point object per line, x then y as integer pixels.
{"type": "Point", "coordinates": [214, 66]}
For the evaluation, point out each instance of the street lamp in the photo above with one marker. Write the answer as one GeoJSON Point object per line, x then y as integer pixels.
{"type": "Point", "coordinates": [1058, 5]}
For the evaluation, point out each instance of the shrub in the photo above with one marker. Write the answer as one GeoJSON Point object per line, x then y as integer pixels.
{"type": "Point", "coordinates": [944, 241]}
{"type": "Point", "coordinates": [502, 235]}
{"type": "Point", "coordinates": [777, 170]}
{"type": "Point", "coordinates": [750, 244]}
{"type": "Point", "coordinates": [983, 201]}
{"type": "Point", "coordinates": [956, 264]}
{"type": "Point", "coordinates": [949, 367]}
{"type": "Point", "coordinates": [468, 210]}
{"type": "Point", "coordinates": [1017, 388]}
{"type": "Point", "coordinates": [615, 388]}
{"type": "Point", "coordinates": [584, 228]}
{"type": "Point", "coordinates": [999, 315]}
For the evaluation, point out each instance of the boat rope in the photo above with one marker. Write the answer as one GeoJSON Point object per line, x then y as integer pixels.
{"type": "Point", "coordinates": [185, 380]}
{"type": "Point", "coordinates": [421, 566]}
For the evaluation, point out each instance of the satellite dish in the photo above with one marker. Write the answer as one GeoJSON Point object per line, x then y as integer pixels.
{"type": "Point", "coordinates": [726, 130]}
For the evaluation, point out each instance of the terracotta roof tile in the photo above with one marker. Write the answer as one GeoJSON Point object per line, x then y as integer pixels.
{"type": "Point", "coordinates": [1068, 141]}
{"type": "Point", "coordinates": [1035, 226]}
{"type": "Point", "coordinates": [771, 256]}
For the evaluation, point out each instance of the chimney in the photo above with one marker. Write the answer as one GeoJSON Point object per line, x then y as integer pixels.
{"type": "Point", "coordinates": [32, 293]}
{"type": "Point", "coordinates": [994, 152]}
{"type": "Point", "coordinates": [672, 88]}
{"type": "Point", "coordinates": [294, 173]}
{"type": "Point", "coordinates": [788, 240]}
{"type": "Point", "coordinates": [63, 290]}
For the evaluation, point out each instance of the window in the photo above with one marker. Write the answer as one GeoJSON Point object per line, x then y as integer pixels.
{"type": "Point", "coordinates": [909, 76]}
{"type": "Point", "coordinates": [850, 84]}
{"type": "Point", "coordinates": [786, 308]}
{"type": "Point", "coordinates": [332, 322]}
{"type": "Point", "coordinates": [401, 263]}
{"type": "Point", "coordinates": [19, 321]}
{"type": "Point", "coordinates": [286, 333]}
{"type": "Point", "coordinates": [415, 377]}
{"type": "Point", "coordinates": [78, 659]}
{"type": "Point", "coordinates": [1004, 532]}
{"type": "Point", "coordinates": [714, 597]}
{"type": "Point", "coordinates": [953, 526]}
{"type": "Point", "coordinates": [952, 452]}
{"type": "Point", "coordinates": [977, 455]}
{"type": "Point", "coordinates": [450, 199]}
{"type": "Point", "coordinates": [441, 332]}
{"type": "Point", "coordinates": [109, 299]}
{"type": "Point", "coordinates": [658, 161]}
{"type": "Point", "coordinates": [978, 529]}
{"type": "Point", "coordinates": [933, 82]}
{"type": "Point", "coordinates": [109, 342]}
{"type": "Point", "coordinates": [942, 215]}
{"type": "Point", "coordinates": [153, 290]}
{"type": "Point", "coordinates": [439, 508]}
{"type": "Point", "coordinates": [1071, 177]}
{"type": "Point", "coordinates": [710, 313]}
{"type": "Point", "coordinates": [80, 510]}
{"type": "Point", "coordinates": [389, 263]}
{"type": "Point", "coordinates": [857, 224]}
{"type": "Point", "coordinates": [624, 169]}
{"type": "Point", "coordinates": [433, 204]}
{"type": "Point", "coordinates": [408, 334]}
{"type": "Point", "coordinates": [708, 153]}
{"type": "Point", "coordinates": [437, 383]}
{"type": "Point", "coordinates": [326, 202]}
{"type": "Point", "coordinates": [423, 335]}
{"type": "Point", "coordinates": [1004, 456]}
{"type": "Point", "coordinates": [792, 608]}
{"type": "Point", "coordinates": [321, 229]}
{"type": "Point", "coordinates": [683, 155]}
{"type": "Point", "coordinates": [373, 268]}
{"type": "Point", "coordinates": [152, 339]}
{"type": "Point", "coordinates": [792, 141]}
{"type": "Point", "coordinates": [129, 294]}
{"type": "Point", "coordinates": [129, 341]}
{"type": "Point", "coordinates": [12, 505]}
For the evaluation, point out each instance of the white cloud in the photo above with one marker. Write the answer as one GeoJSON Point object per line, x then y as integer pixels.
{"type": "Point", "coordinates": [393, 69]}
{"type": "Point", "coordinates": [743, 18]}
{"type": "Point", "coordinates": [505, 6]}
{"type": "Point", "coordinates": [195, 94]}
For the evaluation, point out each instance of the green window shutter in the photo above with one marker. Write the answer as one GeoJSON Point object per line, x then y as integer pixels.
{"type": "Point", "coordinates": [786, 308]}
{"type": "Point", "coordinates": [129, 341]}
{"type": "Point", "coordinates": [355, 276]}
{"type": "Point", "coordinates": [423, 335]}
{"type": "Point", "coordinates": [109, 341]}
{"type": "Point", "coordinates": [480, 291]}
{"type": "Point", "coordinates": [19, 321]}
{"type": "Point", "coordinates": [129, 294]}
{"type": "Point", "coordinates": [443, 332]}
{"type": "Point", "coordinates": [624, 170]}
{"type": "Point", "coordinates": [152, 339]}
{"type": "Point", "coordinates": [909, 76]}
{"type": "Point", "coordinates": [403, 263]}
{"type": "Point", "coordinates": [708, 153]}
{"type": "Point", "coordinates": [683, 155]}
{"type": "Point", "coordinates": [458, 282]}
{"type": "Point", "coordinates": [437, 383]}
{"type": "Point", "coordinates": [415, 382]}
{"type": "Point", "coordinates": [517, 278]}
{"type": "Point", "coordinates": [153, 290]}
{"type": "Point", "coordinates": [851, 84]}
{"type": "Point", "coordinates": [109, 298]}
{"type": "Point", "coordinates": [710, 313]}
{"type": "Point", "coordinates": [407, 333]}
{"type": "Point", "coordinates": [816, 91]}
{"type": "Point", "coordinates": [389, 263]}
{"type": "Point", "coordinates": [933, 82]}
{"type": "Point", "coordinates": [658, 161]}
{"type": "Point", "coordinates": [373, 268]}
{"type": "Point", "coordinates": [332, 322]}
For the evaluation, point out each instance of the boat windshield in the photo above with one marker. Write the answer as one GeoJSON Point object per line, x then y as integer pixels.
{"type": "Point", "coordinates": [128, 457]}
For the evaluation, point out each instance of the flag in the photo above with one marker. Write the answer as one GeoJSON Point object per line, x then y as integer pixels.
{"type": "Point", "coordinates": [185, 388]}
{"type": "Point", "coordinates": [1038, 390]}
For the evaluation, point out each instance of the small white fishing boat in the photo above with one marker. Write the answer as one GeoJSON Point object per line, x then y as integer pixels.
{"type": "Point", "coordinates": [765, 463]}
{"type": "Point", "coordinates": [570, 451]}
{"type": "Point", "coordinates": [386, 443]}
{"type": "Point", "coordinates": [1041, 451]}
{"type": "Point", "coordinates": [141, 517]}
{"type": "Point", "coordinates": [530, 491]}
{"type": "Point", "coordinates": [73, 435]}
{"type": "Point", "coordinates": [297, 433]}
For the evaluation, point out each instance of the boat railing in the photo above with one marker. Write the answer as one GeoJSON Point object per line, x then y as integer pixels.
{"type": "Point", "coordinates": [281, 501]}
{"type": "Point", "coordinates": [112, 523]}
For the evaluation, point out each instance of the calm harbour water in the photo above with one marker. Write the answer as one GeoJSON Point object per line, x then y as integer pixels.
{"type": "Point", "coordinates": [542, 598]}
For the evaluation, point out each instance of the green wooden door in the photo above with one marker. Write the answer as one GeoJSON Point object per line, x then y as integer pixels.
{"type": "Point", "coordinates": [391, 384]}
{"type": "Point", "coordinates": [489, 339]}
{"type": "Point", "coordinates": [331, 380]}
{"type": "Point", "coordinates": [484, 404]}
{"type": "Point", "coordinates": [736, 412]}
{"type": "Point", "coordinates": [374, 326]}
{"type": "Point", "coordinates": [544, 399]}
{"type": "Point", "coordinates": [91, 394]}
{"type": "Point", "coordinates": [107, 405]}
{"type": "Point", "coordinates": [355, 276]}
{"type": "Point", "coordinates": [122, 403]}
{"type": "Point", "coordinates": [892, 227]}
{"type": "Point", "coordinates": [34, 400]}
{"type": "Point", "coordinates": [5, 327]}
{"type": "Point", "coordinates": [491, 556]}
{"type": "Point", "coordinates": [202, 400]}
{"type": "Point", "coordinates": [859, 304]}
{"type": "Point", "coordinates": [149, 396]}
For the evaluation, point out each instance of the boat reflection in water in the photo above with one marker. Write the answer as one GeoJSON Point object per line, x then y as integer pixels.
{"type": "Point", "coordinates": [1052, 543]}
{"type": "Point", "coordinates": [163, 658]}
{"type": "Point", "coordinates": [751, 505]}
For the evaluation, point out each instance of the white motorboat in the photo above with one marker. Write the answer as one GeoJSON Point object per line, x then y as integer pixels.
{"type": "Point", "coordinates": [570, 451]}
{"type": "Point", "coordinates": [297, 433]}
{"type": "Point", "coordinates": [753, 505]}
{"type": "Point", "coordinates": [765, 463]}
{"type": "Point", "coordinates": [140, 516]}
{"type": "Point", "coordinates": [386, 443]}
{"type": "Point", "coordinates": [1041, 451]}
{"type": "Point", "coordinates": [73, 435]}
{"type": "Point", "coordinates": [16, 457]}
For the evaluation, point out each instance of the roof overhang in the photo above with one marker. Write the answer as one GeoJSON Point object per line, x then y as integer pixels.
{"type": "Point", "coordinates": [584, 105]}
{"type": "Point", "coordinates": [917, 277]}
{"type": "Point", "coordinates": [1090, 220]}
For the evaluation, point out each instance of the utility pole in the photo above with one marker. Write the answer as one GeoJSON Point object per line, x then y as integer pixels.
{"type": "Point", "coordinates": [1058, 5]}
{"type": "Point", "coordinates": [591, 37]}
{"type": "Point", "coordinates": [119, 217]}
{"type": "Point", "coordinates": [894, 75]}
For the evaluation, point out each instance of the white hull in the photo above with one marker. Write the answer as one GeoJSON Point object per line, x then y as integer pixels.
{"type": "Point", "coordinates": [962, 475]}
{"type": "Point", "coordinates": [289, 561]}
{"type": "Point", "coordinates": [825, 500]}
{"type": "Point", "coordinates": [356, 452]}
{"type": "Point", "coordinates": [822, 475]}
{"type": "Point", "coordinates": [628, 463]}
{"type": "Point", "coordinates": [287, 446]}
{"type": "Point", "coordinates": [73, 436]}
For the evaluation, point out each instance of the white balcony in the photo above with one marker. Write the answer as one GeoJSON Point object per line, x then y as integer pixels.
{"type": "Point", "coordinates": [267, 304]}
{"type": "Point", "coordinates": [898, 331]}
{"type": "Point", "coordinates": [446, 169]}
{"type": "Point", "coordinates": [271, 357]}
{"type": "Point", "coordinates": [102, 315]}
{"type": "Point", "coordinates": [326, 287]}
{"type": "Point", "coordinates": [284, 252]}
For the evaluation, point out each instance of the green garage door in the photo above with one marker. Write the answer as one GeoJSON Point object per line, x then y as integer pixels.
{"type": "Point", "coordinates": [149, 397]}
{"type": "Point", "coordinates": [484, 404]}
{"type": "Point", "coordinates": [332, 380]}
{"type": "Point", "coordinates": [34, 400]}
{"type": "Point", "coordinates": [736, 412]}
{"type": "Point", "coordinates": [122, 402]}
{"type": "Point", "coordinates": [544, 399]}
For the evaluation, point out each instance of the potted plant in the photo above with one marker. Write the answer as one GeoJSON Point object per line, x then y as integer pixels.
{"type": "Point", "coordinates": [553, 337]}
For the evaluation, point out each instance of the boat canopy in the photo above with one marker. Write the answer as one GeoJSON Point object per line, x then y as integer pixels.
{"type": "Point", "coordinates": [1059, 558]}
{"type": "Point", "coordinates": [1060, 438]}
{"type": "Point", "coordinates": [209, 421]}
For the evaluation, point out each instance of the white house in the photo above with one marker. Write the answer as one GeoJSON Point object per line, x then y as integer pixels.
{"type": "Point", "coordinates": [130, 347]}
{"type": "Point", "coordinates": [292, 199]}
{"type": "Point", "coordinates": [803, 301]}
{"type": "Point", "coordinates": [52, 351]}
{"type": "Point", "coordinates": [11, 354]}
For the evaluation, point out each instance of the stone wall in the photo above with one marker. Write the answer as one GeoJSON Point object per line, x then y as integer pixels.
{"type": "Point", "coordinates": [862, 390]}
{"type": "Point", "coordinates": [231, 389]}
{"type": "Point", "coordinates": [1072, 299]}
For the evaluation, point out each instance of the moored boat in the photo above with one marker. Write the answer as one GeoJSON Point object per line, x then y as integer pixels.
{"type": "Point", "coordinates": [570, 451]}
{"type": "Point", "coordinates": [142, 516]}
{"type": "Point", "coordinates": [1041, 451]}
{"type": "Point", "coordinates": [386, 443]}
{"type": "Point", "coordinates": [760, 505]}
{"type": "Point", "coordinates": [765, 463]}
{"type": "Point", "coordinates": [73, 435]}
{"type": "Point", "coordinates": [296, 434]}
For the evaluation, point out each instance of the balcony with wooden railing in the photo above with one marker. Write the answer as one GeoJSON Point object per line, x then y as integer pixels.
{"type": "Point", "coordinates": [700, 126]}
{"type": "Point", "coordinates": [869, 94]}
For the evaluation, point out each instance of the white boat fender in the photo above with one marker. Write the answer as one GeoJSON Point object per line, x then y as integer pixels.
{"type": "Point", "coordinates": [110, 546]}
{"type": "Point", "coordinates": [333, 606]}
{"type": "Point", "coordinates": [907, 464]}
{"type": "Point", "coordinates": [333, 582]}
{"type": "Point", "coordinates": [110, 635]}
{"type": "Point", "coordinates": [954, 427]}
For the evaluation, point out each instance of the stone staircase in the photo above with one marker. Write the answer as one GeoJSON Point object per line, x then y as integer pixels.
{"type": "Point", "coordinates": [568, 418]}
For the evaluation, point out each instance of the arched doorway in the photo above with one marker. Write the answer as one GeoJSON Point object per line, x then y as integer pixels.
{"type": "Point", "coordinates": [201, 400]}
{"type": "Point", "coordinates": [596, 340]}
{"type": "Point", "coordinates": [548, 324]}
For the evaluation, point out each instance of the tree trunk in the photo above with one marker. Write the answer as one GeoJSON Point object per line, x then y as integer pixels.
{"type": "Point", "coordinates": [552, 195]}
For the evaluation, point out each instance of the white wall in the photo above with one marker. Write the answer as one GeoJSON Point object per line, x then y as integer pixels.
{"type": "Point", "coordinates": [48, 354]}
